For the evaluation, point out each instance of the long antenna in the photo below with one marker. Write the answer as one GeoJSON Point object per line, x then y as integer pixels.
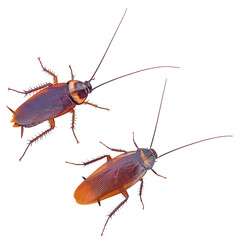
{"type": "Point", "coordinates": [193, 144]}
{"type": "Point", "coordinates": [158, 114]}
{"type": "Point", "coordinates": [131, 74]}
{"type": "Point", "coordinates": [108, 46]}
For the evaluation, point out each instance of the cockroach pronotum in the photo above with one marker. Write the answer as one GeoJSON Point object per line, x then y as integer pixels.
{"type": "Point", "coordinates": [54, 100]}
{"type": "Point", "coordinates": [121, 172]}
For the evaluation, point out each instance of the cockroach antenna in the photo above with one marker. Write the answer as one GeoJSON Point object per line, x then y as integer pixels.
{"type": "Point", "coordinates": [158, 114]}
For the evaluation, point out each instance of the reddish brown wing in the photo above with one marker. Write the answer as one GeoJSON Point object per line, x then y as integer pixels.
{"type": "Point", "coordinates": [49, 103]}
{"type": "Point", "coordinates": [122, 171]}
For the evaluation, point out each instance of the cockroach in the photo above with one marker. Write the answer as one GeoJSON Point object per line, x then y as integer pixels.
{"type": "Point", "coordinates": [121, 172]}
{"type": "Point", "coordinates": [54, 100]}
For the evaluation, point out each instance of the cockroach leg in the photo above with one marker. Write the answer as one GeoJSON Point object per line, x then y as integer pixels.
{"type": "Point", "coordinates": [140, 192]}
{"type": "Point", "coordinates": [99, 203]}
{"type": "Point", "coordinates": [83, 178]}
{"type": "Point", "coordinates": [22, 128]}
{"type": "Point", "coordinates": [26, 92]}
{"type": "Point", "coordinates": [73, 123]}
{"type": "Point", "coordinates": [92, 161]}
{"type": "Point", "coordinates": [94, 105]}
{"type": "Point", "coordinates": [113, 149]}
{"type": "Point", "coordinates": [97, 159]}
{"type": "Point", "coordinates": [72, 76]}
{"type": "Point", "coordinates": [23, 92]}
{"type": "Point", "coordinates": [125, 194]}
{"type": "Point", "coordinates": [55, 80]}
{"type": "Point", "coordinates": [135, 142]}
{"type": "Point", "coordinates": [158, 174]}
{"type": "Point", "coordinates": [52, 125]}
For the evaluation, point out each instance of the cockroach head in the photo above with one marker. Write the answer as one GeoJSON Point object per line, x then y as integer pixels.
{"type": "Point", "coordinates": [88, 86]}
{"type": "Point", "coordinates": [154, 153]}
{"type": "Point", "coordinates": [147, 157]}
{"type": "Point", "coordinates": [79, 90]}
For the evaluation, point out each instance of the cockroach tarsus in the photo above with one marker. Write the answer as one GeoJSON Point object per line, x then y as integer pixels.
{"type": "Point", "coordinates": [121, 172]}
{"type": "Point", "coordinates": [52, 100]}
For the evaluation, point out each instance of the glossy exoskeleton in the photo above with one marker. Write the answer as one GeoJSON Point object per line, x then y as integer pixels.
{"type": "Point", "coordinates": [54, 100]}
{"type": "Point", "coordinates": [120, 173]}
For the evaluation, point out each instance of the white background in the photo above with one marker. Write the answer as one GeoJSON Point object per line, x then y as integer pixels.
{"type": "Point", "coordinates": [200, 198]}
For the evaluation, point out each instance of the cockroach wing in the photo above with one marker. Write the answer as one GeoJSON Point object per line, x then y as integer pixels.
{"type": "Point", "coordinates": [122, 171]}
{"type": "Point", "coordinates": [49, 103]}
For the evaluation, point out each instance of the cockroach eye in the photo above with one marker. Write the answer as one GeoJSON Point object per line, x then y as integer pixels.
{"type": "Point", "coordinates": [154, 153]}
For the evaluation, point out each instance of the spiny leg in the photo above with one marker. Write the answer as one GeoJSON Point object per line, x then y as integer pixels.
{"type": "Point", "coordinates": [125, 194]}
{"type": "Point", "coordinates": [158, 174]}
{"type": "Point", "coordinates": [113, 149]}
{"type": "Point", "coordinates": [92, 161]}
{"type": "Point", "coordinates": [94, 105]}
{"type": "Point", "coordinates": [26, 92]}
{"type": "Point", "coordinates": [52, 125]}
{"type": "Point", "coordinates": [135, 142]}
{"type": "Point", "coordinates": [55, 80]}
{"type": "Point", "coordinates": [73, 123]}
{"type": "Point", "coordinates": [140, 192]}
